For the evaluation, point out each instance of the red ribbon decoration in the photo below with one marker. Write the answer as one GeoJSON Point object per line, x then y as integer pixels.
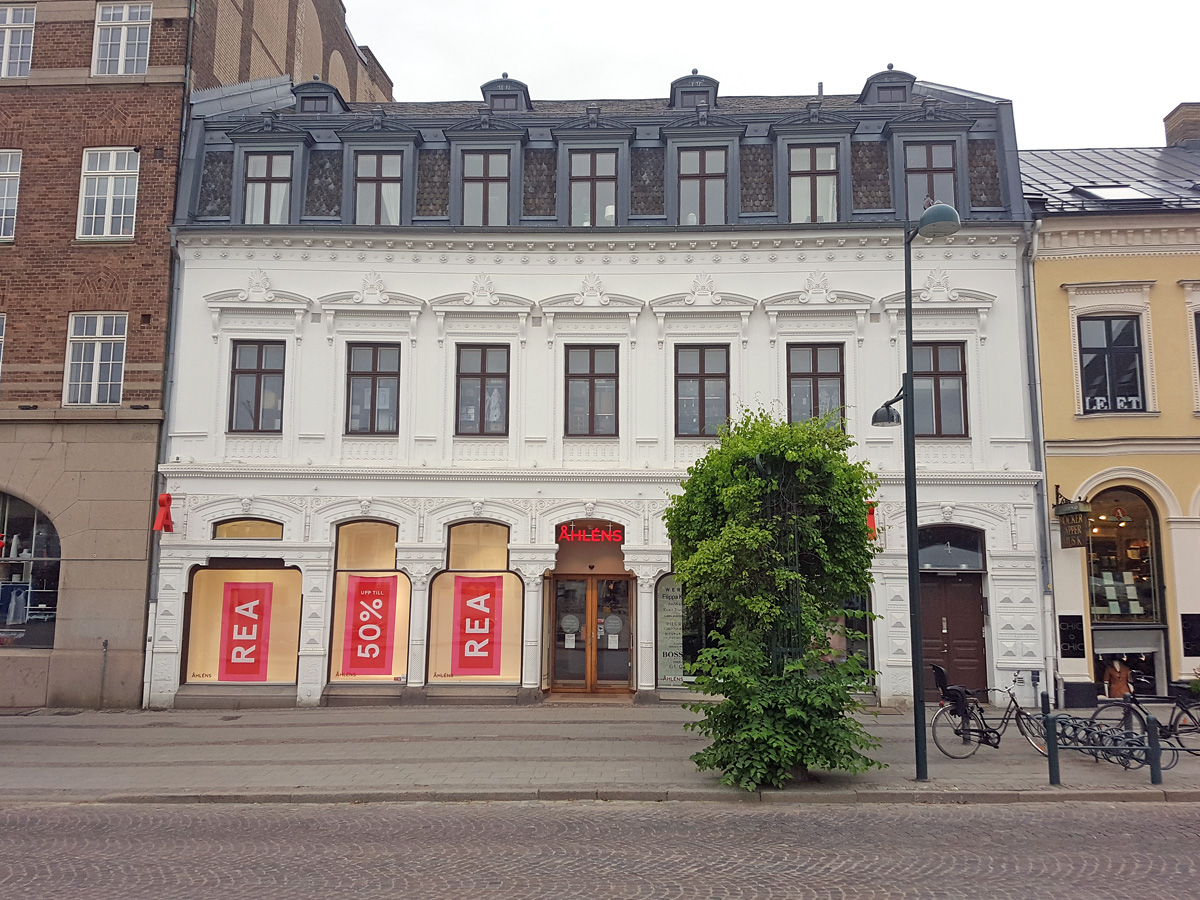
{"type": "Point", "coordinates": [162, 522]}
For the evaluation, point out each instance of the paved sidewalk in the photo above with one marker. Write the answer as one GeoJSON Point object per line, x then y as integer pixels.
{"type": "Point", "coordinates": [551, 751]}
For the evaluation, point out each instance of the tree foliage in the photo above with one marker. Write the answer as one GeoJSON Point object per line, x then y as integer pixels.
{"type": "Point", "coordinates": [770, 536]}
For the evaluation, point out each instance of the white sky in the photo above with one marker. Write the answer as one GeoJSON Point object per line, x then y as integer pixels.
{"type": "Point", "coordinates": [1080, 74]}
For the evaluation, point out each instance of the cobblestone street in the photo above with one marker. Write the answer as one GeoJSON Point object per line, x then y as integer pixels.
{"type": "Point", "coordinates": [595, 849]}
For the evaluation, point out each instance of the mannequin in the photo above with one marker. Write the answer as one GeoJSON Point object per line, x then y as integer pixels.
{"type": "Point", "coordinates": [1117, 679]}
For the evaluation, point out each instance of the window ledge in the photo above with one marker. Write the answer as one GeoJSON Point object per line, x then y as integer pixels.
{"type": "Point", "coordinates": [1144, 414]}
{"type": "Point", "coordinates": [943, 439]}
{"type": "Point", "coordinates": [75, 413]}
{"type": "Point", "coordinates": [105, 239]}
{"type": "Point", "coordinates": [590, 438]}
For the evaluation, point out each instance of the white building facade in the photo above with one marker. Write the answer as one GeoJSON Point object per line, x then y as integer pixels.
{"type": "Point", "coordinates": [428, 459]}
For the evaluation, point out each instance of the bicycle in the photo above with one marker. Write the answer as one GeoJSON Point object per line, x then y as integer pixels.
{"type": "Point", "coordinates": [960, 726]}
{"type": "Point", "coordinates": [1129, 714]}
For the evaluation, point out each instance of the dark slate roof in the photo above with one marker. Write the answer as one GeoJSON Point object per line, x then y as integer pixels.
{"type": "Point", "coordinates": [1058, 180]}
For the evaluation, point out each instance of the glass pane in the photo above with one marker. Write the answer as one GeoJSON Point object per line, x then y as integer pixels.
{"type": "Point", "coordinates": [829, 394]}
{"type": "Point", "coordinates": [688, 406]}
{"type": "Point", "coordinates": [943, 187]}
{"type": "Point", "coordinates": [364, 205]}
{"type": "Point", "coordinates": [366, 545]}
{"type": "Point", "coordinates": [368, 165]}
{"type": "Point", "coordinates": [829, 359]}
{"type": "Point", "coordinates": [473, 165]}
{"type": "Point", "coordinates": [949, 547]}
{"type": "Point", "coordinates": [714, 361]}
{"type": "Point", "coordinates": [581, 204]}
{"type": "Point", "coordinates": [281, 165]}
{"type": "Point", "coordinates": [391, 164]}
{"type": "Point", "coordinates": [689, 202]}
{"type": "Point", "coordinates": [272, 356]}
{"type": "Point", "coordinates": [915, 156]}
{"type": "Point", "coordinates": [606, 164]}
{"type": "Point", "coordinates": [360, 359]}
{"type": "Point", "coordinates": [800, 159]}
{"type": "Point", "coordinates": [688, 361]}
{"type": "Point", "coordinates": [359, 418]}
{"type": "Point", "coordinates": [953, 418]}
{"type": "Point", "coordinates": [280, 194]}
{"type": "Point", "coordinates": [606, 406]}
{"type": "Point", "coordinates": [689, 162]}
{"type": "Point", "coordinates": [578, 407]}
{"type": "Point", "coordinates": [581, 164]}
{"type": "Point", "coordinates": [827, 198]}
{"type": "Point", "coordinates": [498, 165]}
{"type": "Point", "coordinates": [570, 638]}
{"type": "Point", "coordinates": [800, 359]}
{"type": "Point", "coordinates": [470, 360]}
{"type": "Point", "coordinates": [714, 162]}
{"type": "Point", "coordinates": [801, 199]}
{"type": "Point", "coordinates": [387, 396]}
{"type": "Point", "coordinates": [802, 401]}
{"type": "Point", "coordinates": [1124, 332]}
{"type": "Point", "coordinates": [612, 614]}
{"type": "Point", "coordinates": [495, 413]}
{"type": "Point", "coordinates": [1092, 333]}
{"type": "Point", "coordinates": [246, 356]}
{"type": "Point", "coordinates": [826, 158]}
{"type": "Point", "coordinates": [256, 166]}
{"type": "Point", "coordinates": [714, 404]}
{"type": "Point", "coordinates": [497, 360]}
{"type": "Point", "coordinates": [1122, 558]}
{"type": "Point", "coordinates": [579, 362]}
{"type": "Point", "coordinates": [271, 410]}
{"type": "Point", "coordinates": [918, 186]}
{"type": "Point", "coordinates": [1094, 371]}
{"type": "Point", "coordinates": [605, 361]}
{"type": "Point", "coordinates": [468, 406]}
{"type": "Point", "coordinates": [606, 202]}
{"type": "Point", "coordinates": [244, 388]}
{"type": "Point", "coordinates": [943, 156]}
{"type": "Point", "coordinates": [256, 204]}
{"type": "Point", "coordinates": [949, 358]}
{"type": "Point", "coordinates": [714, 201]}
{"type": "Point", "coordinates": [481, 546]}
{"type": "Point", "coordinates": [389, 212]}
{"type": "Point", "coordinates": [473, 203]}
{"type": "Point", "coordinates": [1127, 378]}
{"type": "Point", "coordinates": [388, 359]}
{"type": "Point", "coordinates": [923, 358]}
{"type": "Point", "coordinates": [498, 203]}
{"type": "Point", "coordinates": [247, 529]}
{"type": "Point", "coordinates": [923, 405]}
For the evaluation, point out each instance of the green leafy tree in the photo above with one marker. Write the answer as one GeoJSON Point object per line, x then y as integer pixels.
{"type": "Point", "coordinates": [770, 537]}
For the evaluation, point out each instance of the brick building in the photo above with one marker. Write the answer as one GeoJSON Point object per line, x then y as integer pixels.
{"type": "Point", "coordinates": [91, 100]}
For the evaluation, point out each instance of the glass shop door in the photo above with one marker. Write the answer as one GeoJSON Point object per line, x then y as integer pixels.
{"type": "Point", "coordinates": [592, 634]}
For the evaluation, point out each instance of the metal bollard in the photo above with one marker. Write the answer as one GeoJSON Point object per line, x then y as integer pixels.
{"type": "Point", "coordinates": [1045, 703]}
{"type": "Point", "coordinates": [1155, 749]}
{"type": "Point", "coordinates": [1052, 745]}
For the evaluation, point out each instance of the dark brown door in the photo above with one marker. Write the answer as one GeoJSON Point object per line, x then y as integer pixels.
{"type": "Point", "coordinates": [952, 629]}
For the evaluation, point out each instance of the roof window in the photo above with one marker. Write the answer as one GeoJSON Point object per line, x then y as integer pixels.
{"type": "Point", "coordinates": [1112, 192]}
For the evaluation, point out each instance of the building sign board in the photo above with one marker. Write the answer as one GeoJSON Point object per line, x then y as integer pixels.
{"type": "Point", "coordinates": [478, 601]}
{"type": "Point", "coordinates": [570, 534]}
{"type": "Point", "coordinates": [369, 641]}
{"type": "Point", "coordinates": [1073, 521]}
{"type": "Point", "coordinates": [245, 631]}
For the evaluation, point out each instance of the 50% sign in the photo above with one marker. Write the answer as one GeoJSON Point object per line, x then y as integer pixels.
{"type": "Point", "coordinates": [370, 627]}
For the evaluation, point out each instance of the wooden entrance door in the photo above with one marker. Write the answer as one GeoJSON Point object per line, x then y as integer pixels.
{"type": "Point", "coordinates": [592, 633]}
{"type": "Point", "coordinates": [952, 629]}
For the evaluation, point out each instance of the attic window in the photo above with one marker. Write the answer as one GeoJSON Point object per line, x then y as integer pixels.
{"type": "Point", "coordinates": [892, 93]}
{"type": "Point", "coordinates": [1112, 192]}
{"type": "Point", "coordinates": [314, 104]}
{"type": "Point", "coordinates": [506, 102]}
{"type": "Point", "coordinates": [693, 98]}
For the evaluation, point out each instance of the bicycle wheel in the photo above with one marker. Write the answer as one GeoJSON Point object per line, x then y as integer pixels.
{"type": "Point", "coordinates": [1033, 728]}
{"type": "Point", "coordinates": [957, 736]}
{"type": "Point", "coordinates": [1185, 726]}
{"type": "Point", "coordinates": [1120, 716]}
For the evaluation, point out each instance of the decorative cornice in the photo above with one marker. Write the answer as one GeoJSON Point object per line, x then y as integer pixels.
{"type": "Point", "coordinates": [424, 474]}
{"type": "Point", "coordinates": [1123, 446]}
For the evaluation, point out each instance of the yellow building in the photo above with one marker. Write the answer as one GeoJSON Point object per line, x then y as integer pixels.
{"type": "Point", "coordinates": [1116, 264]}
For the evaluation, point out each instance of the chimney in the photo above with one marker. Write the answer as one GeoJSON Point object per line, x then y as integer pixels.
{"type": "Point", "coordinates": [1183, 126]}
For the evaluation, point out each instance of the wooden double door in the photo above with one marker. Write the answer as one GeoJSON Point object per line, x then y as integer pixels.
{"type": "Point", "coordinates": [593, 633]}
{"type": "Point", "coordinates": [952, 629]}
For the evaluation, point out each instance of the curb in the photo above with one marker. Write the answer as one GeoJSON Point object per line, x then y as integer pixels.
{"type": "Point", "coordinates": [631, 795]}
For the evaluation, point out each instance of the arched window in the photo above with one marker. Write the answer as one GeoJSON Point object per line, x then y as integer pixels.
{"type": "Point", "coordinates": [29, 567]}
{"type": "Point", "coordinates": [247, 529]}
{"type": "Point", "coordinates": [950, 547]}
{"type": "Point", "coordinates": [1123, 559]}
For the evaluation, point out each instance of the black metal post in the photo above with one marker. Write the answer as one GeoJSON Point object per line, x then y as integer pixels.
{"type": "Point", "coordinates": [1045, 703]}
{"type": "Point", "coordinates": [915, 628]}
{"type": "Point", "coordinates": [1052, 747]}
{"type": "Point", "coordinates": [1154, 749]}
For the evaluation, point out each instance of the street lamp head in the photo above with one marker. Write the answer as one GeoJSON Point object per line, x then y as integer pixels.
{"type": "Point", "coordinates": [939, 220]}
{"type": "Point", "coordinates": [885, 416]}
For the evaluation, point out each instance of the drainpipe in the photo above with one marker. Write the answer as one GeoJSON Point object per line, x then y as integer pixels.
{"type": "Point", "coordinates": [1045, 572]}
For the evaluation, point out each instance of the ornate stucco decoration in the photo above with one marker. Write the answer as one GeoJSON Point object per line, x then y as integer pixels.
{"type": "Point", "coordinates": [568, 311]}
{"type": "Point", "coordinates": [814, 299]}
{"type": "Point", "coordinates": [702, 290]}
{"type": "Point", "coordinates": [343, 309]}
{"type": "Point", "coordinates": [483, 300]}
{"type": "Point", "coordinates": [937, 296]}
{"type": "Point", "coordinates": [703, 301]}
{"type": "Point", "coordinates": [257, 296]}
{"type": "Point", "coordinates": [482, 291]}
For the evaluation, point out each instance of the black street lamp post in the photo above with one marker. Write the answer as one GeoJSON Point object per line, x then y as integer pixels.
{"type": "Point", "coordinates": [939, 219]}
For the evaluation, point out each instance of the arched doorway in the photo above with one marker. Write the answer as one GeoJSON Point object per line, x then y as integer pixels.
{"type": "Point", "coordinates": [952, 605]}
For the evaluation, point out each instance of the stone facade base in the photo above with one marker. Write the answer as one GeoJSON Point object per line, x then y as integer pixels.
{"type": "Point", "coordinates": [236, 696]}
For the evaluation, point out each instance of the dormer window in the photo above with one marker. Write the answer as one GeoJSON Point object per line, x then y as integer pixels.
{"type": "Point", "coordinates": [314, 104]}
{"type": "Point", "coordinates": [505, 102]}
{"type": "Point", "coordinates": [893, 93]}
{"type": "Point", "coordinates": [693, 90]}
{"type": "Point", "coordinates": [692, 99]}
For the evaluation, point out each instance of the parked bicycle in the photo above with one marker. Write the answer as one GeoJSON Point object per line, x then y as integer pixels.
{"type": "Point", "coordinates": [961, 725]}
{"type": "Point", "coordinates": [1129, 713]}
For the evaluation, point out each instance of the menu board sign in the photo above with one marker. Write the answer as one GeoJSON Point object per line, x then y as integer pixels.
{"type": "Point", "coordinates": [670, 632]}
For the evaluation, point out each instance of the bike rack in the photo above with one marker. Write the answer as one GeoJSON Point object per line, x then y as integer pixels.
{"type": "Point", "coordinates": [1114, 745]}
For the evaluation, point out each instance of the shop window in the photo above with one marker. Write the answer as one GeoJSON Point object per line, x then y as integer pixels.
{"type": "Point", "coordinates": [247, 530]}
{"type": "Point", "coordinates": [682, 631]}
{"type": "Point", "coordinates": [476, 609]}
{"type": "Point", "coordinates": [1124, 580]}
{"type": "Point", "coordinates": [371, 608]}
{"type": "Point", "coordinates": [950, 547]}
{"type": "Point", "coordinates": [29, 569]}
{"type": "Point", "coordinates": [243, 626]}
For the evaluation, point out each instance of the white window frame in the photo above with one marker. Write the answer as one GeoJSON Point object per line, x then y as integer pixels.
{"type": "Point", "coordinates": [130, 31]}
{"type": "Point", "coordinates": [10, 189]}
{"type": "Point", "coordinates": [9, 29]}
{"type": "Point", "coordinates": [3, 329]}
{"type": "Point", "coordinates": [106, 178]}
{"type": "Point", "coordinates": [1191, 299]}
{"type": "Point", "coordinates": [1113, 298]}
{"type": "Point", "coordinates": [109, 330]}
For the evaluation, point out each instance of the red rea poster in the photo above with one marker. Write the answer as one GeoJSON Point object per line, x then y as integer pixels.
{"type": "Point", "coordinates": [370, 625]}
{"type": "Point", "coordinates": [245, 631]}
{"type": "Point", "coordinates": [477, 602]}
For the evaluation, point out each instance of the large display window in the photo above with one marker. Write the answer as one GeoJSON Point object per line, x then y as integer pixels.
{"type": "Point", "coordinates": [243, 626]}
{"type": "Point", "coordinates": [369, 639]}
{"type": "Point", "coordinates": [29, 569]}
{"type": "Point", "coordinates": [1123, 559]}
{"type": "Point", "coordinates": [682, 632]}
{"type": "Point", "coordinates": [476, 609]}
